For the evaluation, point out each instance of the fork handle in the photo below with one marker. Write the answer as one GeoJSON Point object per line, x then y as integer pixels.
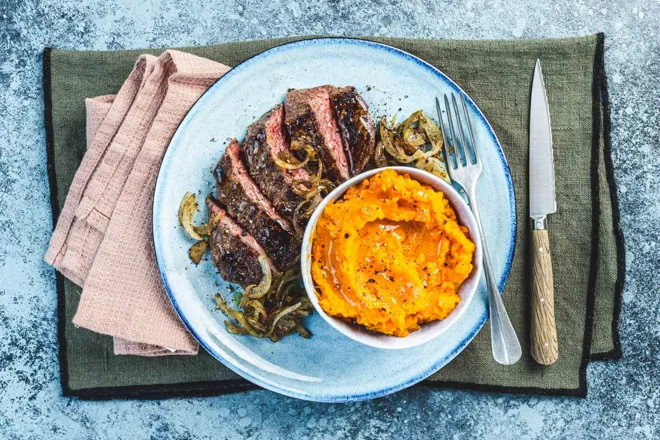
{"type": "Point", "coordinates": [504, 341]}
{"type": "Point", "coordinates": [543, 332]}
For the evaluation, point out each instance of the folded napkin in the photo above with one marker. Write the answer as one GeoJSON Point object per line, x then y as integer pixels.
{"type": "Point", "coordinates": [103, 238]}
{"type": "Point", "coordinates": [585, 235]}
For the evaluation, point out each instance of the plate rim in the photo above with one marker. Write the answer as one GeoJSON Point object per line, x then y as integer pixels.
{"type": "Point", "coordinates": [442, 361]}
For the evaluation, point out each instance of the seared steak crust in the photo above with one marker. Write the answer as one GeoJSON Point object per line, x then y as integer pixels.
{"type": "Point", "coordinates": [309, 121]}
{"type": "Point", "coordinates": [357, 129]}
{"type": "Point", "coordinates": [252, 211]}
{"type": "Point", "coordinates": [234, 252]}
{"type": "Point", "coordinates": [255, 202]}
{"type": "Point", "coordinates": [265, 141]}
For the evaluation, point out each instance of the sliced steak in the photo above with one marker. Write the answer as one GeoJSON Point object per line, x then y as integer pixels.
{"type": "Point", "coordinates": [234, 252]}
{"type": "Point", "coordinates": [245, 203]}
{"type": "Point", "coordinates": [265, 141]}
{"type": "Point", "coordinates": [309, 121]}
{"type": "Point", "coordinates": [357, 129]}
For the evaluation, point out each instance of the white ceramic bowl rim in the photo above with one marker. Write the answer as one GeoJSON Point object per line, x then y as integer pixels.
{"type": "Point", "coordinates": [428, 331]}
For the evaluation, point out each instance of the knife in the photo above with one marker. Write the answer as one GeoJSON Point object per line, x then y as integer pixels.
{"type": "Point", "coordinates": [541, 203]}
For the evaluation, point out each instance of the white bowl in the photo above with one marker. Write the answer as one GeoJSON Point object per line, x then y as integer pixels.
{"type": "Point", "coordinates": [429, 330]}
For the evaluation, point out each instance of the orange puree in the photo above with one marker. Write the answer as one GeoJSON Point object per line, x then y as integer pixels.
{"type": "Point", "coordinates": [390, 255]}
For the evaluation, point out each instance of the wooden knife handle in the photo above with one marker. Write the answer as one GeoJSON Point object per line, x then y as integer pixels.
{"type": "Point", "coordinates": [544, 331]}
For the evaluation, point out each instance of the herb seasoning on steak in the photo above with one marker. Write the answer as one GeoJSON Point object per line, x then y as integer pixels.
{"type": "Point", "coordinates": [245, 203]}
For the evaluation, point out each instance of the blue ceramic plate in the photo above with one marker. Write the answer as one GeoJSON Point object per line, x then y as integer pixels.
{"type": "Point", "coordinates": [329, 367]}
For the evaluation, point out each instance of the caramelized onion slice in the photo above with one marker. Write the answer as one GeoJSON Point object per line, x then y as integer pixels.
{"type": "Point", "coordinates": [255, 308]}
{"type": "Point", "coordinates": [280, 315]}
{"type": "Point", "coordinates": [411, 135]}
{"type": "Point", "coordinates": [324, 187]}
{"type": "Point", "coordinates": [221, 304]}
{"type": "Point", "coordinates": [197, 251]}
{"type": "Point", "coordinates": [302, 188]}
{"type": "Point", "coordinates": [304, 210]}
{"type": "Point", "coordinates": [231, 328]}
{"type": "Point", "coordinates": [392, 143]}
{"type": "Point", "coordinates": [277, 314]}
{"type": "Point", "coordinates": [434, 166]}
{"type": "Point", "coordinates": [379, 156]}
{"type": "Point", "coordinates": [187, 209]}
{"type": "Point", "coordinates": [240, 317]}
{"type": "Point", "coordinates": [294, 166]}
{"type": "Point", "coordinates": [258, 291]}
{"type": "Point", "coordinates": [204, 230]}
{"type": "Point", "coordinates": [432, 132]}
{"type": "Point", "coordinates": [303, 332]}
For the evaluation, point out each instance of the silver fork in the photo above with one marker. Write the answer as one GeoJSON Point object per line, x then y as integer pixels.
{"type": "Point", "coordinates": [465, 171]}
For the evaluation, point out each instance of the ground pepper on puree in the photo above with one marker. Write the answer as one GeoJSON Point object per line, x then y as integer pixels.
{"type": "Point", "coordinates": [390, 255]}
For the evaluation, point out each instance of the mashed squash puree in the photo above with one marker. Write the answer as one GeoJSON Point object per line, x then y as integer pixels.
{"type": "Point", "coordinates": [390, 255]}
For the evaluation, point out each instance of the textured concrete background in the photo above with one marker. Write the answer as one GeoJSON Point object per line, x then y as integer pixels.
{"type": "Point", "coordinates": [624, 396]}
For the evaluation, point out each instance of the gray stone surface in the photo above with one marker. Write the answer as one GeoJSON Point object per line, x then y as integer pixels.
{"type": "Point", "coordinates": [624, 396]}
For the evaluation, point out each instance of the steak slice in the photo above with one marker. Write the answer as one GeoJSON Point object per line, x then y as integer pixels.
{"type": "Point", "coordinates": [234, 252]}
{"type": "Point", "coordinates": [245, 203]}
{"type": "Point", "coordinates": [265, 141]}
{"type": "Point", "coordinates": [309, 121]}
{"type": "Point", "coordinates": [357, 129]}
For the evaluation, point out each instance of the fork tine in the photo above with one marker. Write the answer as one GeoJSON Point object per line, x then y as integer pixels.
{"type": "Point", "coordinates": [451, 164]}
{"type": "Point", "coordinates": [465, 149]}
{"type": "Point", "coordinates": [475, 150]}
{"type": "Point", "coordinates": [457, 150]}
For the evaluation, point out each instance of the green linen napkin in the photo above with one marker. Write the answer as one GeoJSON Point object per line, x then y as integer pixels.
{"type": "Point", "coordinates": [585, 235]}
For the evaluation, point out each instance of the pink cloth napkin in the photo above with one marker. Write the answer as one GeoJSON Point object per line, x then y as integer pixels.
{"type": "Point", "coordinates": [103, 238]}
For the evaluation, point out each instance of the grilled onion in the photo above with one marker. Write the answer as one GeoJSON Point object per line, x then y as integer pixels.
{"type": "Point", "coordinates": [393, 144]}
{"type": "Point", "coordinates": [304, 210]}
{"type": "Point", "coordinates": [412, 136]}
{"type": "Point", "coordinates": [432, 132]}
{"type": "Point", "coordinates": [197, 251]}
{"type": "Point", "coordinates": [294, 166]}
{"type": "Point", "coordinates": [434, 166]}
{"type": "Point", "coordinates": [303, 332]}
{"type": "Point", "coordinates": [275, 313]}
{"type": "Point", "coordinates": [204, 230]}
{"type": "Point", "coordinates": [406, 143]}
{"type": "Point", "coordinates": [299, 187]}
{"type": "Point", "coordinates": [221, 304]}
{"type": "Point", "coordinates": [258, 291]}
{"type": "Point", "coordinates": [279, 315]}
{"type": "Point", "coordinates": [187, 209]}
{"type": "Point", "coordinates": [380, 158]}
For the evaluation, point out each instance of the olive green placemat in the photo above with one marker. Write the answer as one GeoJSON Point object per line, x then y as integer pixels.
{"type": "Point", "coordinates": [585, 236]}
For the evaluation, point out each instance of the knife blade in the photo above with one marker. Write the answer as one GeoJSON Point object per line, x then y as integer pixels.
{"type": "Point", "coordinates": [541, 164]}
{"type": "Point", "coordinates": [542, 201]}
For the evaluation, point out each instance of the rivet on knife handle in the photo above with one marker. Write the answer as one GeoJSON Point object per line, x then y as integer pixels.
{"type": "Point", "coordinates": [544, 331]}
